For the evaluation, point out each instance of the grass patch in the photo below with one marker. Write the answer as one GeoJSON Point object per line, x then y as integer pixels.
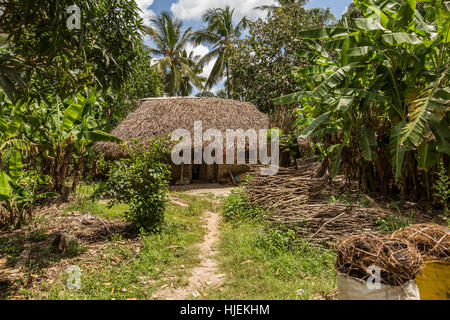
{"type": "Point", "coordinates": [97, 208]}
{"type": "Point", "coordinates": [84, 204]}
{"type": "Point", "coordinates": [267, 266]}
{"type": "Point", "coordinates": [135, 268]}
{"type": "Point", "coordinates": [263, 262]}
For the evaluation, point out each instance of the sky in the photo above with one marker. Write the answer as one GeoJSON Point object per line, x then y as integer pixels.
{"type": "Point", "coordinates": [191, 12]}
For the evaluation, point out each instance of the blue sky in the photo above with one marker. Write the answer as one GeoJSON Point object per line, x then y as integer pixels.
{"type": "Point", "coordinates": [336, 6]}
{"type": "Point", "coordinates": [191, 11]}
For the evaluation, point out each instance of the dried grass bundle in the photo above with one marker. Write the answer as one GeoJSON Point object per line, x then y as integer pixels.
{"type": "Point", "coordinates": [433, 241]}
{"type": "Point", "coordinates": [399, 261]}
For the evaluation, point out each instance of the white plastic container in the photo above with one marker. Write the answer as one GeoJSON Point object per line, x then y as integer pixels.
{"type": "Point", "coordinates": [350, 288]}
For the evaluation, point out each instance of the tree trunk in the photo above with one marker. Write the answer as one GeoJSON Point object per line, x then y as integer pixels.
{"type": "Point", "coordinates": [77, 173]}
{"type": "Point", "coordinates": [228, 81]}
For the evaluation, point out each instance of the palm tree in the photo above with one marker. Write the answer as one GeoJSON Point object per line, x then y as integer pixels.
{"type": "Point", "coordinates": [192, 60]}
{"type": "Point", "coordinates": [221, 34]}
{"type": "Point", "coordinates": [175, 66]}
{"type": "Point", "coordinates": [281, 3]}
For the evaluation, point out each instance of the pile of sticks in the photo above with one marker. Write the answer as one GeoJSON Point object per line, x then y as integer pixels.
{"type": "Point", "coordinates": [298, 200]}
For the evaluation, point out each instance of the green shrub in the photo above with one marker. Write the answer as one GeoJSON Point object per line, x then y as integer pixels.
{"type": "Point", "coordinates": [142, 182]}
{"type": "Point", "coordinates": [276, 240]}
{"type": "Point", "coordinates": [38, 235]}
{"type": "Point", "coordinates": [394, 222]}
{"type": "Point", "coordinates": [239, 207]}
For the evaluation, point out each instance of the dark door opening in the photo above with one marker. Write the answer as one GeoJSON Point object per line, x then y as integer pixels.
{"type": "Point", "coordinates": [196, 172]}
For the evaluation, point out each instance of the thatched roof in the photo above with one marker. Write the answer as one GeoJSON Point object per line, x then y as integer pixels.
{"type": "Point", "coordinates": [161, 116]}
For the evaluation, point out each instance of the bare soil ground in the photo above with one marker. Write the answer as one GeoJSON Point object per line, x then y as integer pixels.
{"type": "Point", "coordinates": [33, 246]}
{"type": "Point", "coordinates": [195, 189]}
{"type": "Point", "coordinates": [205, 274]}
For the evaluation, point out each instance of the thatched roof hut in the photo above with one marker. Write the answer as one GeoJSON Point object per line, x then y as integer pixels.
{"type": "Point", "coordinates": [161, 116]}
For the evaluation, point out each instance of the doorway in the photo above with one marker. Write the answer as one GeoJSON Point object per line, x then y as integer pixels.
{"type": "Point", "coordinates": [196, 172]}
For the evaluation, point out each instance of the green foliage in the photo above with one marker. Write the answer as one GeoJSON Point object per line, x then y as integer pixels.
{"type": "Point", "coordinates": [395, 221]}
{"type": "Point", "coordinates": [221, 34]}
{"type": "Point", "coordinates": [442, 186]}
{"type": "Point", "coordinates": [19, 198]}
{"type": "Point", "coordinates": [43, 56]}
{"type": "Point", "coordinates": [53, 135]}
{"type": "Point", "coordinates": [144, 82]}
{"type": "Point", "coordinates": [237, 207]}
{"type": "Point", "coordinates": [38, 235]}
{"type": "Point", "coordinates": [276, 240]}
{"type": "Point", "coordinates": [177, 68]}
{"type": "Point", "coordinates": [261, 64]}
{"type": "Point", "coordinates": [74, 249]}
{"type": "Point", "coordinates": [378, 86]}
{"type": "Point", "coordinates": [140, 181]}
{"type": "Point", "coordinates": [19, 191]}
{"type": "Point", "coordinates": [259, 270]}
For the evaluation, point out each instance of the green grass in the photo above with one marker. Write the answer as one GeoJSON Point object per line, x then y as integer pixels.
{"type": "Point", "coordinates": [83, 204]}
{"type": "Point", "coordinates": [259, 267]}
{"type": "Point", "coordinates": [136, 269]}
{"type": "Point", "coordinates": [263, 262]}
{"type": "Point", "coordinates": [101, 209]}
{"type": "Point", "coordinates": [260, 261]}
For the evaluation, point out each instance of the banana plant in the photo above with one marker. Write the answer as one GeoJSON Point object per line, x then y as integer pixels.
{"type": "Point", "coordinates": [18, 191]}
{"type": "Point", "coordinates": [382, 87]}
{"type": "Point", "coordinates": [65, 129]}
{"type": "Point", "coordinates": [55, 135]}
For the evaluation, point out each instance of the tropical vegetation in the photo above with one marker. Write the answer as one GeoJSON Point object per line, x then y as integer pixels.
{"type": "Point", "coordinates": [377, 94]}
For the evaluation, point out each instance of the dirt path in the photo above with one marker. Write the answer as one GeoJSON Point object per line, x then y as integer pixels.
{"type": "Point", "coordinates": [205, 274]}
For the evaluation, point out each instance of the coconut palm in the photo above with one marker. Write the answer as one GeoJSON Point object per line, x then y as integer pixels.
{"type": "Point", "coordinates": [280, 5]}
{"type": "Point", "coordinates": [186, 87]}
{"type": "Point", "coordinates": [221, 33]}
{"type": "Point", "coordinates": [170, 41]}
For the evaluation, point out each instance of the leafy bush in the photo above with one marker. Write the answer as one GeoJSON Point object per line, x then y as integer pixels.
{"type": "Point", "coordinates": [142, 182]}
{"type": "Point", "coordinates": [19, 191]}
{"type": "Point", "coordinates": [276, 240]}
{"type": "Point", "coordinates": [376, 91]}
{"type": "Point", "coordinates": [238, 207]}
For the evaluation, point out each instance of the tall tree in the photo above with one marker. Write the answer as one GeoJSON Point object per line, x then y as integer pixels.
{"type": "Point", "coordinates": [222, 34]}
{"type": "Point", "coordinates": [261, 63]}
{"type": "Point", "coordinates": [174, 65]}
{"type": "Point", "coordinates": [45, 55]}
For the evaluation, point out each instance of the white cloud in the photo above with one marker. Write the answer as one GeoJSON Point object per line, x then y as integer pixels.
{"type": "Point", "coordinates": [194, 9]}
{"type": "Point", "coordinates": [147, 13]}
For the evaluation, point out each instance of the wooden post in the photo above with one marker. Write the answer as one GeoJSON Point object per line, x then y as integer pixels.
{"type": "Point", "coordinates": [182, 174]}
{"type": "Point", "coordinates": [232, 178]}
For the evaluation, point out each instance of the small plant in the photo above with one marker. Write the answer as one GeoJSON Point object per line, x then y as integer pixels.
{"type": "Point", "coordinates": [142, 182]}
{"type": "Point", "coordinates": [442, 187]}
{"type": "Point", "coordinates": [276, 240]}
{"type": "Point", "coordinates": [238, 207]}
{"type": "Point", "coordinates": [74, 249]}
{"type": "Point", "coordinates": [38, 235]}
{"type": "Point", "coordinates": [19, 191]}
{"type": "Point", "coordinates": [394, 222]}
